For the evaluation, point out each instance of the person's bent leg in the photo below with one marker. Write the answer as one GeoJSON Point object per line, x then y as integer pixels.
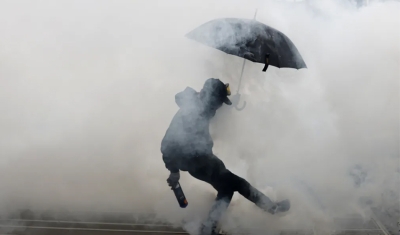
{"type": "Point", "coordinates": [209, 169]}
{"type": "Point", "coordinates": [219, 207]}
{"type": "Point", "coordinates": [252, 194]}
{"type": "Point", "coordinates": [260, 199]}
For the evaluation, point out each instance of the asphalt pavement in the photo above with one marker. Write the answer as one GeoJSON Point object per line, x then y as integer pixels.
{"type": "Point", "coordinates": [51, 223]}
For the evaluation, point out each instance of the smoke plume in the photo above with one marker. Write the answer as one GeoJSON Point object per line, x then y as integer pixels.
{"type": "Point", "coordinates": [87, 92]}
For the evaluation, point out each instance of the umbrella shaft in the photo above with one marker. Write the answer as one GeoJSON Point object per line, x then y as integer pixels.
{"type": "Point", "coordinates": [241, 75]}
{"type": "Point", "coordinates": [255, 14]}
{"type": "Point", "coordinates": [244, 61]}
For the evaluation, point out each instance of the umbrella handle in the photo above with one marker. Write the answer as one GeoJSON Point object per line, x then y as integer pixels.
{"type": "Point", "coordinates": [240, 109]}
{"type": "Point", "coordinates": [235, 101]}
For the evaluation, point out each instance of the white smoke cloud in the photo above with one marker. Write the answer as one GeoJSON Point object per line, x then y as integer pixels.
{"type": "Point", "coordinates": [87, 92]}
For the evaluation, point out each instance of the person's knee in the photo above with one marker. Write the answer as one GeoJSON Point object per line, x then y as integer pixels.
{"type": "Point", "coordinates": [243, 187]}
{"type": "Point", "coordinates": [234, 183]}
{"type": "Point", "coordinates": [225, 195]}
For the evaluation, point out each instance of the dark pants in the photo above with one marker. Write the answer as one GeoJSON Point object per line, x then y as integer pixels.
{"type": "Point", "coordinates": [212, 170]}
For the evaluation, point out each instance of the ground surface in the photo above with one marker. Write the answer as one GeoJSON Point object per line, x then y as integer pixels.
{"type": "Point", "coordinates": [51, 223]}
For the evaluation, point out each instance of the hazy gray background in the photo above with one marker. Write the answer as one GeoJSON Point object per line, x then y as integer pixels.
{"type": "Point", "coordinates": [87, 91]}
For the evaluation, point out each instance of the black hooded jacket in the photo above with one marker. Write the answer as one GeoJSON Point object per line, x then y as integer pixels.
{"type": "Point", "coordinates": [188, 135]}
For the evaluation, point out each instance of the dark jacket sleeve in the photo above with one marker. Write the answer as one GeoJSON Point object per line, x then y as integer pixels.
{"type": "Point", "coordinates": [170, 164]}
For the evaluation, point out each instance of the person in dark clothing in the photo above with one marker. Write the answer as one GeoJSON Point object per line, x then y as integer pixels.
{"type": "Point", "coordinates": [187, 146]}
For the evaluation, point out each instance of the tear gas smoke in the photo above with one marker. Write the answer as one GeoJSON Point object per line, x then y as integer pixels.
{"type": "Point", "coordinates": [87, 92]}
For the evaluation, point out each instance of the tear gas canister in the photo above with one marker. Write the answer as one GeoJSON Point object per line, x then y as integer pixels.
{"type": "Point", "coordinates": [180, 196]}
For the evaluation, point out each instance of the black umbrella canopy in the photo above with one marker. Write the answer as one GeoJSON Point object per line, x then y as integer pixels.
{"type": "Point", "coordinates": [251, 40]}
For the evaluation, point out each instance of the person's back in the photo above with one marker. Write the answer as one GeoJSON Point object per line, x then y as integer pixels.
{"type": "Point", "coordinates": [188, 134]}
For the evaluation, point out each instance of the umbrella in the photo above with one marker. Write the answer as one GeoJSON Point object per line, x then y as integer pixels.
{"type": "Point", "coordinates": [251, 40]}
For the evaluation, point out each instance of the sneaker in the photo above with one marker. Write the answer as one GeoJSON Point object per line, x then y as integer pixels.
{"type": "Point", "coordinates": [280, 207]}
{"type": "Point", "coordinates": [204, 230]}
{"type": "Point", "coordinates": [214, 232]}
